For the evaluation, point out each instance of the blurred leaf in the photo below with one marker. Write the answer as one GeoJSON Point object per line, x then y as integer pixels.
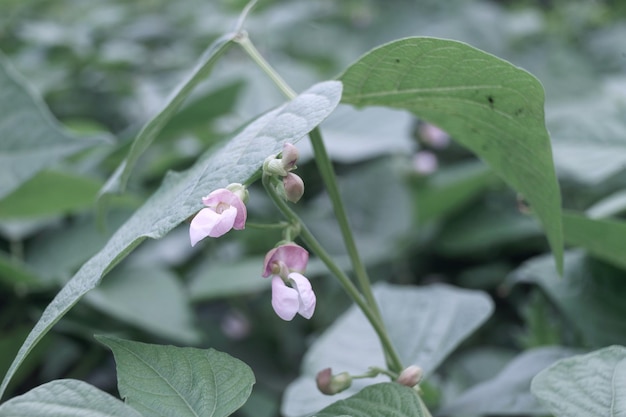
{"type": "Point", "coordinates": [30, 138]}
{"type": "Point", "coordinates": [66, 398]}
{"type": "Point", "coordinates": [425, 325]}
{"type": "Point", "coordinates": [610, 206]}
{"type": "Point", "coordinates": [380, 400]}
{"type": "Point", "coordinates": [586, 385]}
{"type": "Point", "coordinates": [136, 296]}
{"type": "Point", "coordinates": [488, 105]}
{"type": "Point", "coordinates": [603, 238]}
{"type": "Point", "coordinates": [450, 189]}
{"type": "Point", "coordinates": [213, 279]}
{"type": "Point", "coordinates": [180, 195]}
{"type": "Point", "coordinates": [17, 274]}
{"type": "Point", "coordinates": [509, 391]}
{"type": "Point", "coordinates": [50, 193]}
{"type": "Point", "coordinates": [152, 128]}
{"type": "Point", "coordinates": [588, 294]}
{"type": "Point", "coordinates": [171, 381]}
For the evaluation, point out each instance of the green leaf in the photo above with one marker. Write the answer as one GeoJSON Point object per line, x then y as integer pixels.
{"type": "Point", "coordinates": [207, 279]}
{"type": "Point", "coordinates": [154, 126]}
{"type": "Point", "coordinates": [30, 138]}
{"type": "Point", "coordinates": [180, 195]}
{"type": "Point", "coordinates": [589, 293]}
{"type": "Point", "coordinates": [591, 385]}
{"type": "Point", "coordinates": [425, 325]}
{"type": "Point", "coordinates": [50, 193]}
{"type": "Point", "coordinates": [509, 391]}
{"type": "Point", "coordinates": [168, 381]}
{"type": "Point", "coordinates": [603, 238]}
{"type": "Point", "coordinates": [66, 398]}
{"type": "Point", "coordinates": [488, 105]}
{"type": "Point", "coordinates": [380, 400]}
{"type": "Point", "coordinates": [123, 296]}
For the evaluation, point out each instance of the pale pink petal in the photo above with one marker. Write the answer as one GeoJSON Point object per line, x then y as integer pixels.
{"type": "Point", "coordinates": [224, 222]}
{"type": "Point", "coordinates": [285, 300]}
{"type": "Point", "coordinates": [306, 296]}
{"type": "Point", "coordinates": [292, 255]}
{"type": "Point", "coordinates": [222, 195]}
{"type": "Point", "coordinates": [202, 224]}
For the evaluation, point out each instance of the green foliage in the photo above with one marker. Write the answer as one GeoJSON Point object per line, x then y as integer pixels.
{"type": "Point", "coordinates": [170, 381]}
{"type": "Point", "coordinates": [384, 400]}
{"type": "Point", "coordinates": [487, 104]}
{"type": "Point", "coordinates": [585, 385]}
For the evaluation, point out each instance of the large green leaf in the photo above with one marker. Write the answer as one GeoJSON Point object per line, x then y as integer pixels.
{"type": "Point", "coordinates": [66, 398]}
{"type": "Point", "coordinates": [50, 193]}
{"type": "Point", "coordinates": [590, 295]}
{"type": "Point", "coordinates": [154, 126]}
{"type": "Point", "coordinates": [425, 325]}
{"type": "Point", "coordinates": [180, 195]}
{"type": "Point", "coordinates": [488, 105]}
{"type": "Point", "coordinates": [591, 385]}
{"type": "Point", "coordinates": [603, 238]}
{"type": "Point", "coordinates": [30, 138]}
{"type": "Point", "coordinates": [168, 381]}
{"type": "Point", "coordinates": [509, 391]}
{"type": "Point", "coordinates": [380, 400]}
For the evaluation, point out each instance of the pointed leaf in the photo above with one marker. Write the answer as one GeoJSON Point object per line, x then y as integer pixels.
{"type": "Point", "coordinates": [180, 195]}
{"type": "Point", "coordinates": [425, 324]}
{"type": "Point", "coordinates": [488, 105]}
{"type": "Point", "coordinates": [168, 381]}
{"type": "Point", "coordinates": [30, 138]}
{"type": "Point", "coordinates": [154, 126]}
{"type": "Point", "coordinates": [509, 391]}
{"type": "Point", "coordinates": [66, 398]}
{"type": "Point", "coordinates": [380, 400]}
{"type": "Point", "coordinates": [591, 385]}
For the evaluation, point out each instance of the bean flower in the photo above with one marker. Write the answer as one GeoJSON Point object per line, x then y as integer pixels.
{"type": "Point", "coordinates": [291, 291]}
{"type": "Point", "coordinates": [225, 210]}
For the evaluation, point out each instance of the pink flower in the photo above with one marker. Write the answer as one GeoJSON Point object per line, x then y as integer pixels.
{"type": "Point", "coordinates": [225, 210]}
{"type": "Point", "coordinates": [291, 291]}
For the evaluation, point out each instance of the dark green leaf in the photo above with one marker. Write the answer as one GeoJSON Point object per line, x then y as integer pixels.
{"type": "Point", "coordinates": [488, 105]}
{"type": "Point", "coordinates": [168, 381]}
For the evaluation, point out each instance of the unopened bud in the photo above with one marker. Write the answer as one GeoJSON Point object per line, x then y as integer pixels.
{"type": "Point", "coordinates": [425, 162]}
{"type": "Point", "coordinates": [411, 376]}
{"type": "Point", "coordinates": [294, 187]}
{"type": "Point", "coordinates": [274, 166]}
{"type": "Point", "coordinates": [290, 157]}
{"type": "Point", "coordinates": [330, 384]}
{"type": "Point", "coordinates": [240, 190]}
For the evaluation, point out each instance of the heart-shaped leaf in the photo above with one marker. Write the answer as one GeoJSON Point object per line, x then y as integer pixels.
{"type": "Point", "coordinates": [168, 381]}
{"type": "Point", "coordinates": [591, 385]}
{"type": "Point", "coordinates": [488, 105]}
{"type": "Point", "coordinates": [66, 398]}
{"type": "Point", "coordinates": [180, 195]}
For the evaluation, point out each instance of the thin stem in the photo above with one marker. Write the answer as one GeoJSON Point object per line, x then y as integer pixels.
{"type": "Point", "coordinates": [395, 362]}
{"type": "Point", "coordinates": [245, 42]}
{"type": "Point", "coordinates": [266, 226]}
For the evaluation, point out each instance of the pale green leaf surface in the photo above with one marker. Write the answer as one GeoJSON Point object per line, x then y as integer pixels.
{"type": "Point", "coordinates": [591, 385]}
{"type": "Point", "coordinates": [589, 294]}
{"type": "Point", "coordinates": [180, 194]}
{"type": "Point", "coordinates": [66, 398]}
{"type": "Point", "coordinates": [425, 324]}
{"type": "Point", "coordinates": [50, 193]}
{"type": "Point", "coordinates": [603, 238]}
{"type": "Point", "coordinates": [169, 381]}
{"type": "Point", "coordinates": [488, 105]}
{"type": "Point", "coordinates": [380, 400]}
{"type": "Point", "coordinates": [612, 205]}
{"type": "Point", "coordinates": [509, 391]}
{"type": "Point", "coordinates": [135, 295]}
{"type": "Point", "coordinates": [30, 138]}
{"type": "Point", "coordinates": [152, 128]}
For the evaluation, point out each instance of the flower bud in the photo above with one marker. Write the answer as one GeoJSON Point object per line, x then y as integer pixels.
{"type": "Point", "coordinates": [273, 166]}
{"type": "Point", "coordinates": [425, 162]}
{"type": "Point", "coordinates": [289, 157]}
{"type": "Point", "coordinates": [330, 384]}
{"type": "Point", "coordinates": [294, 187]}
{"type": "Point", "coordinates": [239, 190]}
{"type": "Point", "coordinates": [411, 376]}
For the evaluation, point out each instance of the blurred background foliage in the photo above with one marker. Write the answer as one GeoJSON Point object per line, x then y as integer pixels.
{"type": "Point", "coordinates": [424, 209]}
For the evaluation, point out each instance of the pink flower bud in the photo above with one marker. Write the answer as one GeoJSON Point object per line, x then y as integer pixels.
{"type": "Point", "coordinates": [425, 162]}
{"type": "Point", "coordinates": [330, 384]}
{"type": "Point", "coordinates": [294, 187]}
{"type": "Point", "coordinates": [411, 376]}
{"type": "Point", "coordinates": [289, 156]}
{"type": "Point", "coordinates": [224, 210]}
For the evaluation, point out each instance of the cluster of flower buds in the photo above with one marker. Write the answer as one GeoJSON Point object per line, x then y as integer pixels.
{"type": "Point", "coordinates": [293, 185]}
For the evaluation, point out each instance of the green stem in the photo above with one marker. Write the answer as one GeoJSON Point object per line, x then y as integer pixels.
{"type": "Point", "coordinates": [266, 226]}
{"type": "Point", "coordinates": [395, 362]}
